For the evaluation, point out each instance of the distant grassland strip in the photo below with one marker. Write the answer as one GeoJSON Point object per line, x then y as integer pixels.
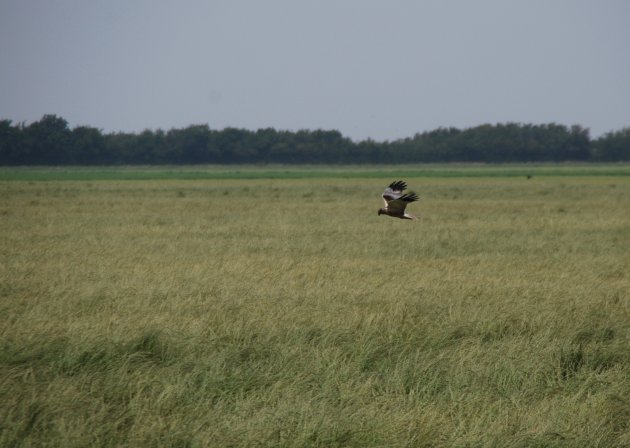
{"type": "Point", "coordinates": [306, 172]}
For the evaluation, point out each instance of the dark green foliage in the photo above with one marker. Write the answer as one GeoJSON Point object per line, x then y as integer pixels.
{"type": "Point", "coordinates": [51, 142]}
{"type": "Point", "coordinates": [613, 146]}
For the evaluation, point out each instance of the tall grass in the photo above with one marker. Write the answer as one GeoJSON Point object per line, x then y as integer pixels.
{"type": "Point", "coordinates": [270, 312]}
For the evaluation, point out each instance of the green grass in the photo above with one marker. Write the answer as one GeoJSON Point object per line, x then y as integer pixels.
{"type": "Point", "coordinates": [285, 312]}
{"type": "Point", "coordinates": [214, 172]}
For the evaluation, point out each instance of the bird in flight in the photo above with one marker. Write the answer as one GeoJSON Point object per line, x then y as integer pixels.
{"type": "Point", "coordinates": [396, 202]}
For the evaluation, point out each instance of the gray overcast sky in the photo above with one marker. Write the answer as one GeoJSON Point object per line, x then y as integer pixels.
{"type": "Point", "coordinates": [380, 69]}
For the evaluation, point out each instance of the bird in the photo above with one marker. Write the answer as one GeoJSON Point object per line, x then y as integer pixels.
{"type": "Point", "coordinates": [396, 202]}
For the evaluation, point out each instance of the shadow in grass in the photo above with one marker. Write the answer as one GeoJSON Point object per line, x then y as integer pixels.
{"type": "Point", "coordinates": [594, 350]}
{"type": "Point", "coordinates": [153, 346]}
{"type": "Point", "coordinates": [62, 355]}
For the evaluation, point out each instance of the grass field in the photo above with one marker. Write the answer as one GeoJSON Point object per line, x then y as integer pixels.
{"type": "Point", "coordinates": [279, 310]}
{"type": "Point", "coordinates": [252, 172]}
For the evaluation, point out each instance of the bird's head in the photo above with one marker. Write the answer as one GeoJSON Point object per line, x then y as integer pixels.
{"type": "Point", "coordinates": [381, 211]}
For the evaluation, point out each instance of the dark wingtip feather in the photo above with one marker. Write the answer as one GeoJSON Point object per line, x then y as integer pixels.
{"type": "Point", "coordinates": [410, 197]}
{"type": "Point", "coordinates": [398, 185]}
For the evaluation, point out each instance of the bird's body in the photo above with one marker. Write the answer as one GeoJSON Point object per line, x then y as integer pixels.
{"type": "Point", "coordinates": [396, 201]}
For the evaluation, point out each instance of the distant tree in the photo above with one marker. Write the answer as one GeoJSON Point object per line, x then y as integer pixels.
{"type": "Point", "coordinates": [263, 141]}
{"type": "Point", "coordinates": [10, 140]}
{"type": "Point", "coordinates": [577, 144]}
{"type": "Point", "coordinates": [147, 146]}
{"type": "Point", "coordinates": [119, 147]}
{"type": "Point", "coordinates": [370, 151]}
{"type": "Point", "coordinates": [87, 147]}
{"type": "Point", "coordinates": [613, 146]}
{"type": "Point", "coordinates": [321, 146]}
{"type": "Point", "coordinates": [232, 144]}
{"type": "Point", "coordinates": [47, 141]}
{"type": "Point", "coordinates": [437, 144]}
{"type": "Point", "coordinates": [191, 145]}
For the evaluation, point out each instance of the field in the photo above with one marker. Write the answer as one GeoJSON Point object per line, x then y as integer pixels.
{"type": "Point", "coordinates": [272, 307]}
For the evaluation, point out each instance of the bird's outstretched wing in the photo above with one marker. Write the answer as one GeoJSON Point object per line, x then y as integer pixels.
{"type": "Point", "coordinates": [399, 204]}
{"type": "Point", "coordinates": [394, 191]}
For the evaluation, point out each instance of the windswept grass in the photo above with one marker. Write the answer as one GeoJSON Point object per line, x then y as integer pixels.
{"type": "Point", "coordinates": [285, 312]}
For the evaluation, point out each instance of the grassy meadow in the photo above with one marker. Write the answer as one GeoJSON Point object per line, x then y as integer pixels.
{"type": "Point", "coordinates": [278, 310]}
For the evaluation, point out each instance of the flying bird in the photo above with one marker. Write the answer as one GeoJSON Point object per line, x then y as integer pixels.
{"type": "Point", "coordinates": [396, 202]}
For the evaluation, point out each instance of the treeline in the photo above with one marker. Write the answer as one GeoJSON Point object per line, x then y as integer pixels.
{"type": "Point", "coordinates": [50, 141]}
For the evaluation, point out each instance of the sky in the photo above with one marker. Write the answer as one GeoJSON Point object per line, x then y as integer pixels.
{"type": "Point", "coordinates": [379, 69]}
